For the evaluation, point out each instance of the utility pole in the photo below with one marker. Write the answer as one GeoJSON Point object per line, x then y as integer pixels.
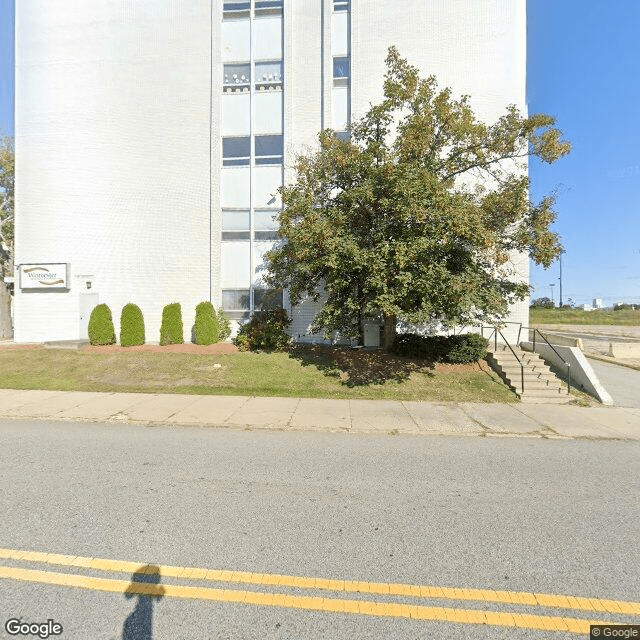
{"type": "Point", "coordinates": [553, 284]}
{"type": "Point", "coordinates": [560, 280]}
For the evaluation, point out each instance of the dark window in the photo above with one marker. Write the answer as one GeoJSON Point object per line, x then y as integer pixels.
{"type": "Point", "coordinates": [236, 76]}
{"type": "Point", "coordinates": [236, 151]}
{"type": "Point", "coordinates": [263, 236]}
{"type": "Point", "coordinates": [269, 149]}
{"type": "Point", "coordinates": [268, 75]}
{"type": "Point", "coordinates": [341, 67]}
{"type": "Point", "coordinates": [267, 299]}
{"type": "Point", "coordinates": [232, 10]}
{"type": "Point", "coordinates": [341, 5]}
{"type": "Point", "coordinates": [268, 7]}
{"type": "Point", "coordinates": [235, 224]}
{"type": "Point", "coordinates": [235, 299]}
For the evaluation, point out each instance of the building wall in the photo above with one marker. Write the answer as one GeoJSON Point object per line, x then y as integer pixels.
{"type": "Point", "coordinates": [112, 146]}
{"type": "Point", "coordinates": [121, 115]}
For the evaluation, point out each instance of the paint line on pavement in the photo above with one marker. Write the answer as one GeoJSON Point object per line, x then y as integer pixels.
{"type": "Point", "coordinates": [598, 605]}
{"type": "Point", "coordinates": [330, 605]}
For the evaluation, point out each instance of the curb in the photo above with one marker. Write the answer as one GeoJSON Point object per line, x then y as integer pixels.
{"type": "Point", "coordinates": [613, 361]}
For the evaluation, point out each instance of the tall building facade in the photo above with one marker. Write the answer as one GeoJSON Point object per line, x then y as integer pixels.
{"type": "Point", "coordinates": [152, 136]}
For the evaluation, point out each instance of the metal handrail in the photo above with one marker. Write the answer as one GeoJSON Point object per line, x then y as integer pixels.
{"type": "Point", "coordinates": [516, 357]}
{"type": "Point", "coordinates": [495, 333]}
{"type": "Point", "coordinates": [554, 350]}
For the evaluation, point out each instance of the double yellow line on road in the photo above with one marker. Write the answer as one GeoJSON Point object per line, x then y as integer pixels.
{"type": "Point", "coordinates": [334, 605]}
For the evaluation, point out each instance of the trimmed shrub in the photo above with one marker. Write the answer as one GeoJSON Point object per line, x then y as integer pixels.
{"type": "Point", "coordinates": [460, 349]}
{"type": "Point", "coordinates": [206, 327]}
{"type": "Point", "coordinates": [171, 330]}
{"type": "Point", "coordinates": [224, 325]}
{"type": "Point", "coordinates": [466, 348]}
{"type": "Point", "coordinates": [101, 329]}
{"type": "Point", "coordinates": [131, 326]}
{"type": "Point", "coordinates": [412, 345]}
{"type": "Point", "coordinates": [264, 332]}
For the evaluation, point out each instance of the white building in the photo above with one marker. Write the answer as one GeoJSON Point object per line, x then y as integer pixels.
{"type": "Point", "coordinates": [152, 135]}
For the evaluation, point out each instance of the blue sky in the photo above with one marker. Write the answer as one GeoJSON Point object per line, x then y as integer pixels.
{"type": "Point", "coordinates": [584, 69]}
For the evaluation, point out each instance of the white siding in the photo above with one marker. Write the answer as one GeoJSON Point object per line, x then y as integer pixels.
{"type": "Point", "coordinates": [267, 38]}
{"type": "Point", "coordinates": [235, 191]}
{"type": "Point", "coordinates": [236, 114]}
{"type": "Point", "coordinates": [340, 117]}
{"type": "Point", "coordinates": [112, 143]}
{"type": "Point", "coordinates": [266, 181]}
{"type": "Point", "coordinates": [340, 33]}
{"type": "Point", "coordinates": [268, 112]}
{"type": "Point", "coordinates": [259, 263]}
{"type": "Point", "coordinates": [236, 40]}
{"type": "Point", "coordinates": [236, 270]}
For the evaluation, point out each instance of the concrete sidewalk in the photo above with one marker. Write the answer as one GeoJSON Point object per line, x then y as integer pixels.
{"type": "Point", "coordinates": [353, 416]}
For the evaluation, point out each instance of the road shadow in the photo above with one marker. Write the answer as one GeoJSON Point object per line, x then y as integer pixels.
{"type": "Point", "coordinates": [145, 585]}
{"type": "Point", "coordinates": [358, 367]}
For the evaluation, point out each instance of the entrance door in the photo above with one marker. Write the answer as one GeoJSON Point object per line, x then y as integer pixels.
{"type": "Point", "coordinates": [88, 302]}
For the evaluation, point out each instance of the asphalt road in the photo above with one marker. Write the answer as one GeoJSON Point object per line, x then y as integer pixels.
{"type": "Point", "coordinates": [622, 383]}
{"type": "Point", "coordinates": [516, 514]}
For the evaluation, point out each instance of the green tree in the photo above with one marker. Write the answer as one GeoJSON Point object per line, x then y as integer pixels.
{"type": "Point", "coordinates": [7, 180]}
{"type": "Point", "coordinates": [542, 303]}
{"type": "Point", "coordinates": [415, 216]}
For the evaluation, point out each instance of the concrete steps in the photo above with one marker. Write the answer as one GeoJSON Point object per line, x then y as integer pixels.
{"type": "Point", "coordinates": [540, 384]}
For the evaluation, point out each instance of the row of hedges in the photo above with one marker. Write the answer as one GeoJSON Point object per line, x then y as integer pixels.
{"type": "Point", "coordinates": [461, 349]}
{"type": "Point", "coordinates": [210, 327]}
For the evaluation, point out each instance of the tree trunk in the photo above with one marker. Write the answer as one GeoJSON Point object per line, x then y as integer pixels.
{"type": "Point", "coordinates": [390, 322]}
{"type": "Point", "coordinates": [6, 327]}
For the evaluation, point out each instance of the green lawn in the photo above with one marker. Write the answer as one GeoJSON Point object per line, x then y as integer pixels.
{"type": "Point", "coordinates": [625, 317]}
{"type": "Point", "coordinates": [302, 373]}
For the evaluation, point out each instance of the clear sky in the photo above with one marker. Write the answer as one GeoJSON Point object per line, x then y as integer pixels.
{"type": "Point", "coordinates": [584, 69]}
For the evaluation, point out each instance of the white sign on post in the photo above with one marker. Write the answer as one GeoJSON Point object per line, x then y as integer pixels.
{"type": "Point", "coordinates": [44, 276]}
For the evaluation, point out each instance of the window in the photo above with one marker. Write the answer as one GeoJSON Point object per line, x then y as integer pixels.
{"type": "Point", "coordinates": [265, 224]}
{"type": "Point", "coordinates": [340, 70]}
{"type": "Point", "coordinates": [231, 10]}
{"type": "Point", "coordinates": [235, 299]}
{"type": "Point", "coordinates": [269, 149]}
{"type": "Point", "coordinates": [268, 8]}
{"type": "Point", "coordinates": [341, 5]}
{"type": "Point", "coordinates": [345, 136]}
{"type": "Point", "coordinates": [267, 299]}
{"type": "Point", "coordinates": [268, 75]}
{"type": "Point", "coordinates": [235, 224]}
{"type": "Point", "coordinates": [237, 77]}
{"type": "Point", "coordinates": [236, 151]}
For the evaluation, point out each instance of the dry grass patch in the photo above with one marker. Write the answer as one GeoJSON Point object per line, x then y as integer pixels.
{"type": "Point", "coordinates": [305, 371]}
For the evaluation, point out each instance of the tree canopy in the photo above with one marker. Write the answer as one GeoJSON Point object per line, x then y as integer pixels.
{"type": "Point", "coordinates": [418, 214]}
{"type": "Point", "coordinates": [7, 174]}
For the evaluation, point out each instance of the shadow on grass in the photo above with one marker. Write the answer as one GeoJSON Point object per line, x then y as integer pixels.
{"type": "Point", "coordinates": [358, 367]}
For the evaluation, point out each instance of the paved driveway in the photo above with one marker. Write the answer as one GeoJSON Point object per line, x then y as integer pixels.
{"type": "Point", "coordinates": [621, 382]}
